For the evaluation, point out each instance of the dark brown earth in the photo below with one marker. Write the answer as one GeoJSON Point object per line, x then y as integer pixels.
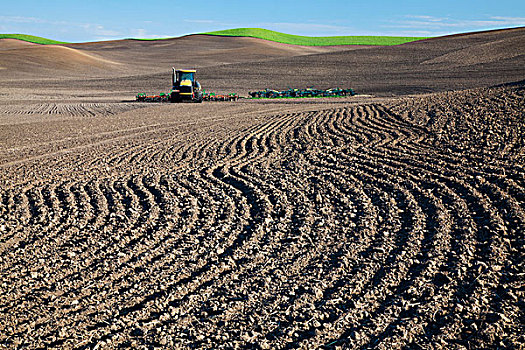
{"type": "Point", "coordinates": [389, 222]}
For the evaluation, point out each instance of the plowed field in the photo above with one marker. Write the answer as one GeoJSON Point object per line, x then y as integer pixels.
{"type": "Point", "coordinates": [379, 223]}
{"type": "Point", "coordinates": [351, 223]}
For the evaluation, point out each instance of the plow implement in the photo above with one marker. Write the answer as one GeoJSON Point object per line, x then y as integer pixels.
{"type": "Point", "coordinates": [210, 96]}
{"type": "Point", "coordinates": [142, 97]}
{"type": "Point", "coordinates": [206, 96]}
{"type": "Point", "coordinates": [298, 93]}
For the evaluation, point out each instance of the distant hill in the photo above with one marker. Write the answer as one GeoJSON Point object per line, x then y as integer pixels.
{"type": "Point", "coordinates": [31, 39]}
{"type": "Point", "coordinates": [264, 34]}
{"type": "Point", "coordinates": [315, 41]}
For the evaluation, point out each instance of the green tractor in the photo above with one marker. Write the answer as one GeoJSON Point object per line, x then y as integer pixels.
{"type": "Point", "coordinates": [185, 87]}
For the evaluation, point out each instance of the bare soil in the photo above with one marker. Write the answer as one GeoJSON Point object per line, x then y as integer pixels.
{"type": "Point", "coordinates": [365, 222]}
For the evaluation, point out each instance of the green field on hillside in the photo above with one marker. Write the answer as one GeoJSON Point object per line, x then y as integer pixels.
{"type": "Point", "coordinates": [315, 41]}
{"type": "Point", "coordinates": [31, 39]}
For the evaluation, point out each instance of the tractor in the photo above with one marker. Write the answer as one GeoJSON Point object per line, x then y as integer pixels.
{"type": "Point", "coordinates": [185, 87]}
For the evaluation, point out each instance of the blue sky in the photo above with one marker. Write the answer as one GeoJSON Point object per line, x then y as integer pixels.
{"type": "Point", "coordinates": [104, 20]}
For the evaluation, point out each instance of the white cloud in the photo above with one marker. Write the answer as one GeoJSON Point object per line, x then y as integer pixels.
{"type": "Point", "coordinates": [32, 20]}
{"type": "Point", "coordinates": [433, 24]}
{"type": "Point", "coordinates": [139, 33]}
{"type": "Point", "coordinates": [21, 19]}
{"type": "Point", "coordinates": [91, 29]}
{"type": "Point", "coordinates": [427, 18]}
{"type": "Point", "coordinates": [511, 20]}
{"type": "Point", "coordinates": [142, 33]}
{"type": "Point", "coordinates": [203, 21]}
{"type": "Point", "coordinates": [99, 30]}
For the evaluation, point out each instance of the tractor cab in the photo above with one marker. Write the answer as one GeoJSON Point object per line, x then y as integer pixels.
{"type": "Point", "coordinates": [185, 87]}
{"type": "Point", "coordinates": [185, 76]}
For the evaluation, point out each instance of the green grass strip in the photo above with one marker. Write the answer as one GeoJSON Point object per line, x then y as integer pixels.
{"type": "Point", "coordinates": [31, 39]}
{"type": "Point", "coordinates": [315, 41]}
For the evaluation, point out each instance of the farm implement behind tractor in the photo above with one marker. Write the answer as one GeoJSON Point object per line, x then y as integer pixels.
{"type": "Point", "coordinates": [297, 93]}
{"type": "Point", "coordinates": [206, 96]}
{"type": "Point", "coordinates": [142, 97]}
{"type": "Point", "coordinates": [211, 96]}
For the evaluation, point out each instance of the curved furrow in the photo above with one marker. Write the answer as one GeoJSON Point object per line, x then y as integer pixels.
{"type": "Point", "coordinates": [76, 239]}
{"type": "Point", "coordinates": [475, 289]}
{"type": "Point", "coordinates": [72, 285]}
{"type": "Point", "coordinates": [145, 152]}
{"type": "Point", "coordinates": [48, 206]}
{"type": "Point", "coordinates": [117, 158]}
{"type": "Point", "coordinates": [64, 253]}
{"type": "Point", "coordinates": [37, 208]}
{"type": "Point", "coordinates": [482, 253]}
{"type": "Point", "coordinates": [129, 272]}
{"type": "Point", "coordinates": [373, 136]}
{"type": "Point", "coordinates": [358, 126]}
{"type": "Point", "coordinates": [53, 206]}
{"type": "Point", "coordinates": [175, 282]}
{"type": "Point", "coordinates": [75, 215]}
{"type": "Point", "coordinates": [425, 298]}
{"type": "Point", "coordinates": [502, 309]}
{"type": "Point", "coordinates": [409, 136]}
{"type": "Point", "coordinates": [376, 123]}
{"type": "Point", "coordinates": [413, 135]}
{"type": "Point", "coordinates": [378, 283]}
{"type": "Point", "coordinates": [342, 132]}
{"type": "Point", "coordinates": [169, 146]}
{"type": "Point", "coordinates": [222, 278]}
{"type": "Point", "coordinates": [38, 239]}
{"type": "Point", "coordinates": [428, 238]}
{"type": "Point", "coordinates": [409, 303]}
{"type": "Point", "coordinates": [22, 208]}
{"type": "Point", "coordinates": [356, 251]}
{"type": "Point", "coordinates": [512, 188]}
{"type": "Point", "coordinates": [102, 225]}
{"type": "Point", "coordinates": [435, 160]}
{"type": "Point", "coordinates": [233, 147]}
{"type": "Point", "coordinates": [200, 234]}
{"type": "Point", "coordinates": [173, 154]}
{"type": "Point", "coordinates": [242, 188]}
{"type": "Point", "coordinates": [371, 122]}
{"type": "Point", "coordinates": [45, 249]}
{"type": "Point", "coordinates": [9, 220]}
{"type": "Point", "coordinates": [93, 199]}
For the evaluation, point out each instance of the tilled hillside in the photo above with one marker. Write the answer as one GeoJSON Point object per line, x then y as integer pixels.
{"type": "Point", "coordinates": [394, 224]}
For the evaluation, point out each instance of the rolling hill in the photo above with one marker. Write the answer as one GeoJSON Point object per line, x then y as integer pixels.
{"type": "Point", "coordinates": [31, 39]}
{"type": "Point", "coordinates": [264, 34]}
{"type": "Point", "coordinates": [314, 41]}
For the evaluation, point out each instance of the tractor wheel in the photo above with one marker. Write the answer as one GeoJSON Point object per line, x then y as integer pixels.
{"type": "Point", "coordinates": [198, 97]}
{"type": "Point", "coordinates": [174, 98]}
